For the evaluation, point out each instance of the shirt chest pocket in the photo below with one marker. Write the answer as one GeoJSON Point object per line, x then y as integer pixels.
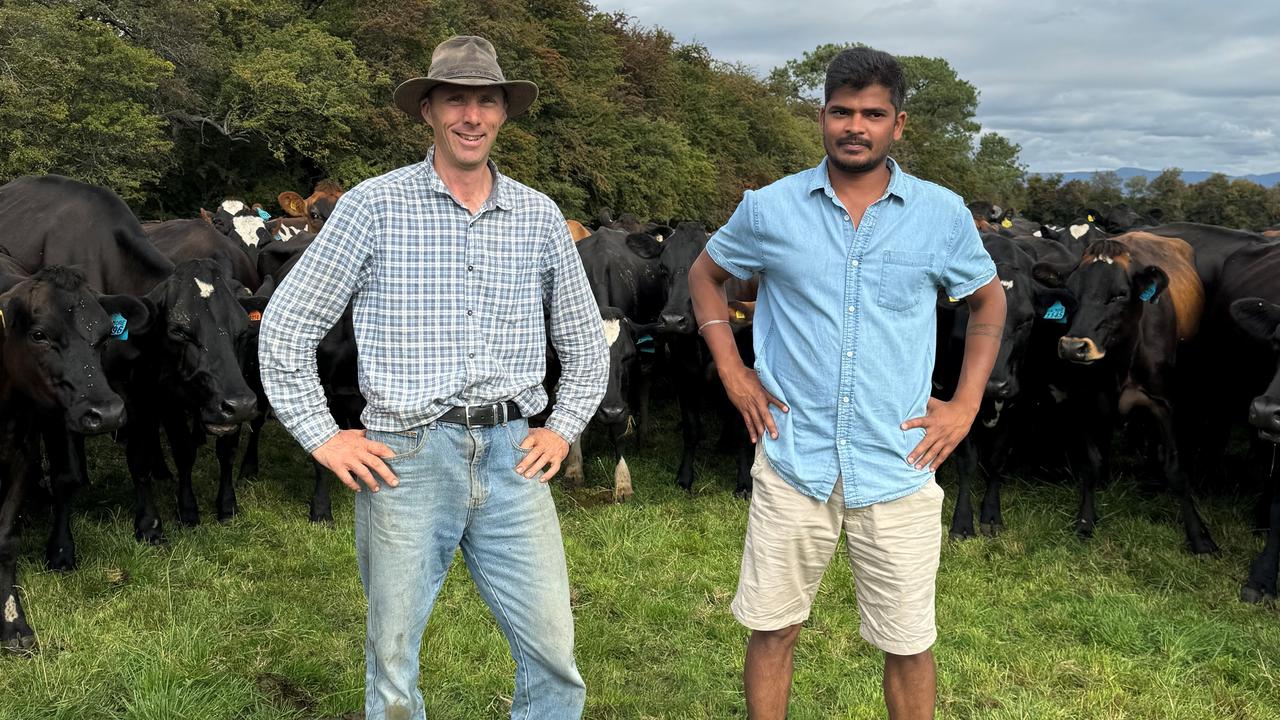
{"type": "Point", "coordinates": [902, 279]}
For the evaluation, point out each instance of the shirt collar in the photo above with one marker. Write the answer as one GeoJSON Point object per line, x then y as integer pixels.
{"type": "Point", "coordinates": [500, 196]}
{"type": "Point", "coordinates": [898, 185]}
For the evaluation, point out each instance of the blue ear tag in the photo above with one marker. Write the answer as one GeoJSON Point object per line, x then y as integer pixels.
{"type": "Point", "coordinates": [1149, 293]}
{"type": "Point", "coordinates": [645, 343]}
{"type": "Point", "coordinates": [264, 214]}
{"type": "Point", "coordinates": [1056, 313]}
{"type": "Point", "coordinates": [119, 326]}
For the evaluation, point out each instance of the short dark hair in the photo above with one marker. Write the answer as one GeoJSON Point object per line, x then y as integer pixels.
{"type": "Point", "coordinates": [858, 67]}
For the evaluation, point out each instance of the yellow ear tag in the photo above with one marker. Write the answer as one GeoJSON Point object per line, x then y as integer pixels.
{"type": "Point", "coordinates": [1006, 223]}
{"type": "Point", "coordinates": [1090, 218]}
{"type": "Point", "coordinates": [739, 315]}
{"type": "Point", "coordinates": [952, 300]}
{"type": "Point", "coordinates": [2, 325]}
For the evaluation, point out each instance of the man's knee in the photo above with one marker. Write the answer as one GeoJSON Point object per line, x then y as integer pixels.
{"type": "Point", "coordinates": [920, 659]}
{"type": "Point", "coordinates": [782, 639]}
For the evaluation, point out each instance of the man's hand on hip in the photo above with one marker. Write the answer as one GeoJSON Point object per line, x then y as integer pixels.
{"type": "Point", "coordinates": [945, 425]}
{"type": "Point", "coordinates": [349, 456]}
{"type": "Point", "coordinates": [743, 387]}
{"type": "Point", "coordinates": [543, 448]}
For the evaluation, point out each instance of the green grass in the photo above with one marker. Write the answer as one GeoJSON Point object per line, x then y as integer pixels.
{"type": "Point", "coordinates": [264, 617]}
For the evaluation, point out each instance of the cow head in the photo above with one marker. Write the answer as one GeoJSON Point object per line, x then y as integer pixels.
{"type": "Point", "coordinates": [625, 340]}
{"type": "Point", "coordinates": [52, 326]}
{"type": "Point", "coordinates": [1260, 320]}
{"type": "Point", "coordinates": [1110, 291]}
{"type": "Point", "coordinates": [678, 254]}
{"type": "Point", "coordinates": [237, 220]}
{"type": "Point", "coordinates": [316, 209]}
{"type": "Point", "coordinates": [200, 327]}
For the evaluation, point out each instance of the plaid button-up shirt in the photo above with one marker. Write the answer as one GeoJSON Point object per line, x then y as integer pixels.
{"type": "Point", "coordinates": [450, 308]}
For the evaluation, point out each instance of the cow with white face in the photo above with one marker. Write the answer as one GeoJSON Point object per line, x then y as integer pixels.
{"type": "Point", "coordinates": [237, 220]}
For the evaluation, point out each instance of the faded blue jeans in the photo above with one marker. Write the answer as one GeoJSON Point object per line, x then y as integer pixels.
{"type": "Point", "coordinates": [459, 488]}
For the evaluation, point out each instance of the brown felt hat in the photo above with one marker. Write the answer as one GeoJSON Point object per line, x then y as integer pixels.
{"type": "Point", "coordinates": [464, 60]}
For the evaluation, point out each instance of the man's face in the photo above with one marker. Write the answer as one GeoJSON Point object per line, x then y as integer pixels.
{"type": "Point", "coordinates": [859, 127]}
{"type": "Point", "coordinates": [465, 121]}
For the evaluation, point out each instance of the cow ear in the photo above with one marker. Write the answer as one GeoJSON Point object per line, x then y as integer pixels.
{"type": "Point", "coordinates": [741, 312]}
{"type": "Point", "coordinates": [206, 216]}
{"type": "Point", "coordinates": [1051, 274]}
{"type": "Point", "coordinates": [267, 287]}
{"type": "Point", "coordinates": [292, 203]}
{"type": "Point", "coordinates": [137, 312]}
{"type": "Point", "coordinates": [644, 245]}
{"type": "Point", "coordinates": [1149, 282]}
{"type": "Point", "coordinates": [1257, 317]}
{"type": "Point", "coordinates": [1155, 214]}
{"type": "Point", "coordinates": [1051, 303]}
{"type": "Point", "coordinates": [662, 232]}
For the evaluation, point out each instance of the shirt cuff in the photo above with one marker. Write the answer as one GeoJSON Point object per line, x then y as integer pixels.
{"type": "Point", "coordinates": [565, 425]}
{"type": "Point", "coordinates": [964, 290]}
{"type": "Point", "coordinates": [732, 268]}
{"type": "Point", "coordinates": [311, 433]}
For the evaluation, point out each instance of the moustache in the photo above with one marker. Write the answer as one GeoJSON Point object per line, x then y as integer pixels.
{"type": "Point", "coordinates": [854, 140]}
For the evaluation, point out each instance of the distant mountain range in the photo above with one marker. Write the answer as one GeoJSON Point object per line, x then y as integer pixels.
{"type": "Point", "coordinates": [1188, 176]}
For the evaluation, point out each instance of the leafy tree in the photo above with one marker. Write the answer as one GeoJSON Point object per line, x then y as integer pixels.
{"type": "Point", "coordinates": [1168, 192]}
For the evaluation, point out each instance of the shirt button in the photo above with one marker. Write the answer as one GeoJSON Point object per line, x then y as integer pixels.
{"type": "Point", "coordinates": [845, 398]}
{"type": "Point", "coordinates": [854, 263]}
{"type": "Point", "coordinates": [471, 268]}
{"type": "Point", "coordinates": [471, 355]}
{"type": "Point", "coordinates": [846, 218]}
{"type": "Point", "coordinates": [849, 354]}
{"type": "Point", "coordinates": [851, 308]}
{"type": "Point", "coordinates": [842, 441]}
{"type": "Point", "coordinates": [468, 313]}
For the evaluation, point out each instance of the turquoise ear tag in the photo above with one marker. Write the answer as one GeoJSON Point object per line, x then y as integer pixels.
{"type": "Point", "coordinates": [119, 326]}
{"type": "Point", "coordinates": [1056, 313]}
{"type": "Point", "coordinates": [645, 343]}
{"type": "Point", "coordinates": [264, 214]}
{"type": "Point", "coordinates": [1149, 293]}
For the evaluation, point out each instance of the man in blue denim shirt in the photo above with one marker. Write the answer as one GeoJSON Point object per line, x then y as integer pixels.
{"type": "Point", "coordinates": [449, 265]}
{"type": "Point", "coordinates": [851, 254]}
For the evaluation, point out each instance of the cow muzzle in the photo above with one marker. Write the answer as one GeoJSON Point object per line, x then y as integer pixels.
{"type": "Point", "coordinates": [676, 323]}
{"type": "Point", "coordinates": [1264, 414]}
{"type": "Point", "coordinates": [1079, 350]}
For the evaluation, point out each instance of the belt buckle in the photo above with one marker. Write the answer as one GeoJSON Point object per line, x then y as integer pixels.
{"type": "Point", "coordinates": [505, 419]}
{"type": "Point", "coordinates": [466, 416]}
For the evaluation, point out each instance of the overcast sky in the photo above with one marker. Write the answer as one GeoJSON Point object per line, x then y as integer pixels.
{"type": "Point", "coordinates": [1083, 85]}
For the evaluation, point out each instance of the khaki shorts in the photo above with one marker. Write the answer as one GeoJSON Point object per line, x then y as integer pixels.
{"type": "Point", "coordinates": [893, 549]}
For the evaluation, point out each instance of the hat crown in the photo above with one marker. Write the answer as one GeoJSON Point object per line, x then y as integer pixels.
{"type": "Point", "coordinates": [465, 57]}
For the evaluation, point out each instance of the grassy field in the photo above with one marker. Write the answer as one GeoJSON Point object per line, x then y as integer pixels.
{"type": "Point", "coordinates": [264, 617]}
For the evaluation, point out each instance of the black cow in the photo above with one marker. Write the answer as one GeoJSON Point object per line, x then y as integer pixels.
{"type": "Point", "coordinates": [625, 404]}
{"type": "Point", "coordinates": [238, 221]}
{"type": "Point", "coordinates": [1123, 342]}
{"type": "Point", "coordinates": [54, 220]}
{"type": "Point", "coordinates": [1212, 245]}
{"type": "Point", "coordinates": [181, 240]}
{"type": "Point", "coordinates": [1018, 379]}
{"type": "Point", "coordinates": [1259, 318]}
{"type": "Point", "coordinates": [625, 271]}
{"type": "Point", "coordinates": [51, 328]}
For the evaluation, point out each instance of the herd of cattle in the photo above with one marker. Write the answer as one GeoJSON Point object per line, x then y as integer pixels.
{"type": "Point", "coordinates": [112, 325]}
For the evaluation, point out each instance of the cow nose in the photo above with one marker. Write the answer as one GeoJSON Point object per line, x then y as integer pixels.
{"type": "Point", "coordinates": [673, 322]}
{"type": "Point", "coordinates": [1072, 349]}
{"type": "Point", "coordinates": [1001, 389]}
{"type": "Point", "coordinates": [238, 409]}
{"type": "Point", "coordinates": [612, 414]}
{"type": "Point", "coordinates": [1264, 414]}
{"type": "Point", "coordinates": [103, 418]}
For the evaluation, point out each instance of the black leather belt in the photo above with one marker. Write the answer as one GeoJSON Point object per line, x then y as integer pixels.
{"type": "Point", "coordinates": [491, 414]}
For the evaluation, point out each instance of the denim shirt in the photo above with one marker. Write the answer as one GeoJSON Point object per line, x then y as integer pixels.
{"type": "Point", "coordinates": [845, 324]}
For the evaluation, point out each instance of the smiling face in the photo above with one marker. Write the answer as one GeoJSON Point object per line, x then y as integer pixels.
{"type": "Point", "coordinates": [859, 127]}
{"type": "Point", "coordinates": [465, 121]}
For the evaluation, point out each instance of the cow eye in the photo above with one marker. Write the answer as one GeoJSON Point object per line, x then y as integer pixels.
{"type": "Point", "coordinates": [38, 336]}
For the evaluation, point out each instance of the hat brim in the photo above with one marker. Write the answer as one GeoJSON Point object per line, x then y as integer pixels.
{"type": "Point", "coordinates": [410, 93]}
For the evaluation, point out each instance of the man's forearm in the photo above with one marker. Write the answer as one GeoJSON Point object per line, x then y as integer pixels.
{"type": "Point", "coordinates": [710, 304]}
{"type": "Point", "coordinates": [982, 343]}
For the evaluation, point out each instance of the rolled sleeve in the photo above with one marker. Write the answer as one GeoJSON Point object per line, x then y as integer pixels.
{"type": "Point", "coordinates": [968, 266]}
{"type": "Point", "coordinates": [576, 332]}
{"type": "Point", "coordinates": [736, 247]}
{"type": "Point", "coordinates": [302, 310]}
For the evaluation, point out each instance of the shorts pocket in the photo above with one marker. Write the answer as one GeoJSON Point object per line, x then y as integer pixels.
{"type": "Point", "coordinates": [404, 444]}
{"type": "Point", "coordinates": [902, 277]}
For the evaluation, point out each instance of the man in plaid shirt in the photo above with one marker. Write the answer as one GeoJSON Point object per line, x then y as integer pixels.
{"type": "Point", "coordinates": [449, 265]}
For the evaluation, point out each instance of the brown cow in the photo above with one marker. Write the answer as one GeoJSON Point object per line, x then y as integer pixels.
{"type": "Point", "coordinates": [314, 209]}
{"type": "Point", "coordinates": [577, 230]}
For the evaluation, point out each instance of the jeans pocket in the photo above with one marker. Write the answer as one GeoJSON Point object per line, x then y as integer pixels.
{"type": "Point", "coordinates": [404, 444]}
{"type": "Point", "coordinates": [902, 276]}
{"type": "Point", "coordinates": [516, 431]}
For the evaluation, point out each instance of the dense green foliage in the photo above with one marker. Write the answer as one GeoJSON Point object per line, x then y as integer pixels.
{"type": "Point", "coordinates": [180, 103]}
